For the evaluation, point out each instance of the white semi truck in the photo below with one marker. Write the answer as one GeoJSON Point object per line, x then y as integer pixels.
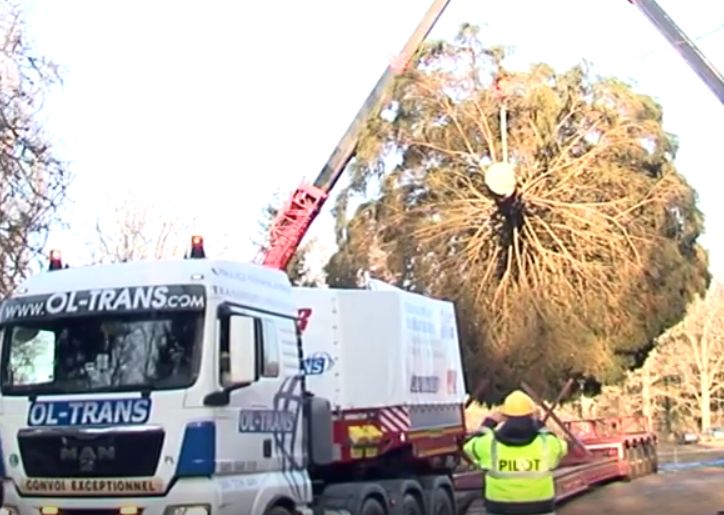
{"type": "Point", "coordinates": [200, 386]}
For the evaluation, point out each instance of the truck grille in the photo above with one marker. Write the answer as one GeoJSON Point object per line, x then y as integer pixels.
{"type": "Point", "coordinates": [86, 454]}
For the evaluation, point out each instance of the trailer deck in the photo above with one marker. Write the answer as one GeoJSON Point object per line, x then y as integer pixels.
{"type": "Point", "coordinates": [603, 450]}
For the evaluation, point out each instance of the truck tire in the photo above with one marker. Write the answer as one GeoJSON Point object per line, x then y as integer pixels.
{"type": "Point", "coordinates": [441, 503]}
{"type": "Point", "coordinates": [411, 506]}
{"type": "Point", "coordinates": [372, 506]}
{"type": "Point", "coordinates": [277, 510]}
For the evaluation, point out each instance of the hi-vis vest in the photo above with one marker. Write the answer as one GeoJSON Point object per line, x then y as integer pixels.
{"type": "Point", "coordinates": [517, 474]}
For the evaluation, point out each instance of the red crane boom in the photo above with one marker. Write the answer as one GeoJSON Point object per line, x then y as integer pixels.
{"type": "Point", "coordinates": [295, 217]}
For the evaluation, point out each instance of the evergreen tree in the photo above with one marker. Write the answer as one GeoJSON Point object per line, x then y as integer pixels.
{"type": "Point", "coordinates": [571, 260]}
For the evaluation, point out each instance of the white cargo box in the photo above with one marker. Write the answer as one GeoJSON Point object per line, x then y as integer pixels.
{"type": "Point", "coordinates": [371, 349]}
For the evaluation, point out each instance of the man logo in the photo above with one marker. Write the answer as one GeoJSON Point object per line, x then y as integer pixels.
{"type": "Point", "coordinates": [303, 315]}
{"type": "Point", "coordinates": [87, 457]}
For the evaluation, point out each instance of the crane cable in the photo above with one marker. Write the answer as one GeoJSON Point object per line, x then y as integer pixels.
{"type": "Point", "coordinates": [500, 176]}
{"type": "Point", "coordinates": [504, 132]}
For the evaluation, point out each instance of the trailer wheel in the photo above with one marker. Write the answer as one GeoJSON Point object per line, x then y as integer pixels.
{"type": "Point", "coordinates": [629, 460]}
{"type": "Point", "coordinates": [647, 458]}
{"type": "Point", "coordinates": [411, 506]}
{"type": "Point", "coordinates": [637, 457]}
{"type": "Point", "coordinates": [372, 506]}
{"type": "Point", "coordinates": [643, 460]}
{"type": "Point", "coordinates": [653, 458]}
{"type": "Point", "coordinates": [441, 503]}
{"type": "Point", "coordinates": [277, 510]}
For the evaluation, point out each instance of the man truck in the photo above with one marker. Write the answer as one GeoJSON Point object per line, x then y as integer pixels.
{"type": "Point", "coordinates": [200, 386]}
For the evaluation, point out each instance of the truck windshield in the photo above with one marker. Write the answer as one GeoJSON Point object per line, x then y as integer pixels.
{"type": "Point", "coordinates": [101, 353]}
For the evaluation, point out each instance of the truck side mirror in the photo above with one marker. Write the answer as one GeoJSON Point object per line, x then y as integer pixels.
{"type": "Point", "coordinates": [242, 350]}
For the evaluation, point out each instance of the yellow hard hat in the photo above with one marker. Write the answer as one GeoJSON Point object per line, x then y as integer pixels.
{"type": "Point", "coordinates": [518, 404]}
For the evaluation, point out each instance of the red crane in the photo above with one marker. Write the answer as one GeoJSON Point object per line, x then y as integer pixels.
{"type": "Point", "coordinates": [295, 217]}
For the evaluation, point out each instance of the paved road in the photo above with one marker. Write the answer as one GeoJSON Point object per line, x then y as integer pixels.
{"type": "Point", "coordinates": [687, 492]}
{"type": "Point", "coordinates": [680, 454]}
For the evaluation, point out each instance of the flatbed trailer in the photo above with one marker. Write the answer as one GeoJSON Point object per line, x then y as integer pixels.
{"type": "Point", "coordinates": [570, 482]}
{"type": "Point", "coordinates": [603, 450]}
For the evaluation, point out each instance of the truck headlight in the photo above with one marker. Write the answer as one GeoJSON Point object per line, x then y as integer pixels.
{"type": "Point", "coordinates": [186, 509]}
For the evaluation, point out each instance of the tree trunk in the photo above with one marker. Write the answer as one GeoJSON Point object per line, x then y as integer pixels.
{"type": "Point", "coordinates": [667, 407]}
{"type": "Point", "coordinates": [646, 401]}
{"type": "Point", "coordinates": [705, 408]}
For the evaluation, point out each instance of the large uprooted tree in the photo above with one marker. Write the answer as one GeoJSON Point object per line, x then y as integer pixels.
{"type": "Point", "coordinates": [571, 266]}
{"type": "Point", "coordinates": [32, 180]}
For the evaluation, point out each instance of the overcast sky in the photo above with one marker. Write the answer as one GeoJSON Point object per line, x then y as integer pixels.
{"type": "Point", "coordinates": [208, 108]}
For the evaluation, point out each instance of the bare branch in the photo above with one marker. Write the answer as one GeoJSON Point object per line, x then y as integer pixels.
{"type": "Point", "coordinates": [135, 231]}
{"type": "Point", "coordinates": [33, 181]}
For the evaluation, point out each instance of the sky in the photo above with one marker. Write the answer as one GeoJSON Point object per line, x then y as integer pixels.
{"type": "Point", "coordinates": [207, 109]}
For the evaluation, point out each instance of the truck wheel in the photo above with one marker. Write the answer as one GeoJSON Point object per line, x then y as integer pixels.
{"type": "Point", "coordinates": [372, 506]}
{"type": "Point", "coordinates": [411, 506]}
{"type": "Point", "coordinates": [441, 503]}
{"type": "Point", "coordinates": [277, 510]}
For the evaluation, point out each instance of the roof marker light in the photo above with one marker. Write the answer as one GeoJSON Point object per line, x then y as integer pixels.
{"type": "Point", "coordinates": [56, 263]}
{"type": "Point", "coordinates": [197, 247]}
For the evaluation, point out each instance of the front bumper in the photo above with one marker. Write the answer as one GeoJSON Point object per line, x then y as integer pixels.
{"type": "Point", "coordinates": [189, 492]}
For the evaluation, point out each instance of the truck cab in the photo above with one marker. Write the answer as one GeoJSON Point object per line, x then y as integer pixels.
{"type": "Point", "coordinates": [168, 387]}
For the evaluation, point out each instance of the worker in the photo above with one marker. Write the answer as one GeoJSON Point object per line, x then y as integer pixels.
{"type": "Point", "coordinates": [518, 454]}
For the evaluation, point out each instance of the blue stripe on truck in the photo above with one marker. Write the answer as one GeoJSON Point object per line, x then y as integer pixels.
{"type": "Point", "coordinates": [198, 450]}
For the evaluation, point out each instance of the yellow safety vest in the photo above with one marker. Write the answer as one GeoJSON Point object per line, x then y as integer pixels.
{"type": "Point", "coordinates": [517, 474]}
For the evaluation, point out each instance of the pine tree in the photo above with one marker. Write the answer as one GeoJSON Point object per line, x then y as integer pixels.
{"type": "Point", "coordinates": [546, 205]}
